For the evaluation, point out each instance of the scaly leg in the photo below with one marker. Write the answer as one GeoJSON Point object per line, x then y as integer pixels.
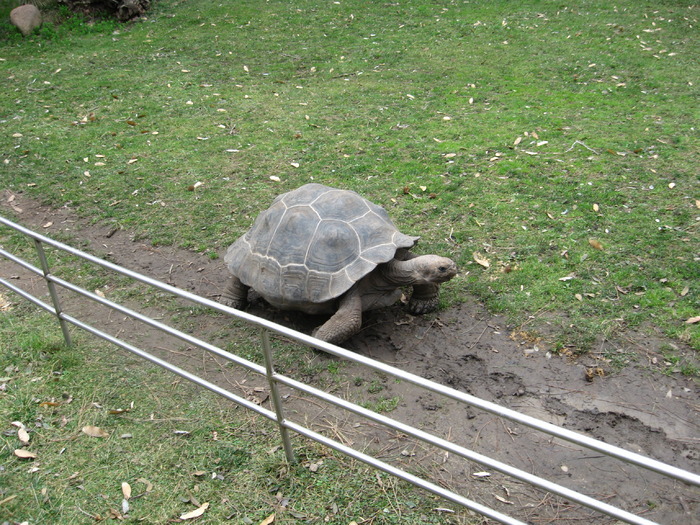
{"type": "Point", "coordinates": [236, 294]}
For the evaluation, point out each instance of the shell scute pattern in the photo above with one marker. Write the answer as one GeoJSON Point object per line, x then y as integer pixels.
{"type": "Point", "coordinates": [313, 244]}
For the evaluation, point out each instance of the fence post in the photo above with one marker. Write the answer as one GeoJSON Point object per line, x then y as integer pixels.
{"type": "Point", "coordinates": [52, 290]}
{"type": "Point", "coordinates": [276, 399]}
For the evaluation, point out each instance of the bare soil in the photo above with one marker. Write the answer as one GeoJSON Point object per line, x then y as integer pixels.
{"type": "Point", "coordinates": [636, 407]}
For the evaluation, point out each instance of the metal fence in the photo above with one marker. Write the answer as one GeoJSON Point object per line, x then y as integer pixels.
{"type": "Point", "coordinates": [275, 379]}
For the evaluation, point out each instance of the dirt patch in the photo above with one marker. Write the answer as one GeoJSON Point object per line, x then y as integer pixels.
{"type": "Point", "coordinates": [465, 347]}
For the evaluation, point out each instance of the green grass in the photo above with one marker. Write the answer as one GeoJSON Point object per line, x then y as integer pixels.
{"type": "Point", "coordinates": [416, 106]}
{"type": "Point", "coordinates": [175, 445]}
{"type": "Point", "coordinates": [532, 133]}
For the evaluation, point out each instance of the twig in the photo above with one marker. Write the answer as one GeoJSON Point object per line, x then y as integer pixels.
{"type": "Point", "coordinates": [582, 144]}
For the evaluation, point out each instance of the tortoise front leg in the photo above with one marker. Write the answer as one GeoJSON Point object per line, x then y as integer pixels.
{"type": "Point", "coordinates": [236, 294]}
{"type": "Point", "coordinates": [346, 322]}
{"type": "Point", "coordinates": [424, 298]}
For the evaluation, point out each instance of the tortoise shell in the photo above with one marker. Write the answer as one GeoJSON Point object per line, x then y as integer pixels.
{"type": "Point", "coordinates": [313, 244]}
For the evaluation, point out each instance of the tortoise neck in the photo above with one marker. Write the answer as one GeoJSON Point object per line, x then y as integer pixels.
{"type": "Point", "coordinates": [400, 273]}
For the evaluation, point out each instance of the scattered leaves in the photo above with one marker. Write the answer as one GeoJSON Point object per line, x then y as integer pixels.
{"type": "Point", "coordinates": [24, 454]}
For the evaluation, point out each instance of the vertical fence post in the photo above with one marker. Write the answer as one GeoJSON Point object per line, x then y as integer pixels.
{"type": "Point", "coordinates": [52, 290]}
{"type": "Point", "coordinates": [276, 399]}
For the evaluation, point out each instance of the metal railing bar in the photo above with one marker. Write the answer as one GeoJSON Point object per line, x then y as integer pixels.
{"type": "Point", "coordinates": [394, 471]}
{"type": "Point", "coordinates": [269, 414]}
{"type": "Point", "coordinates": [391, 423]}
{"type": "Point", "coordinates": [46, 271]}
{"type": "Point", "coordinates": [493, 408]}
{"type": "Point", "coordinates": [465, 453]}
{"type": "Point", "coordinates": [21, 262]}
{"type": "Point", "coordinates": [419, 482]}
{"type": "Point", "coordinates": [275, 395]}
{"type": "Point", "coordinates": [548, 428]}
{"type": "Point", "coordinates": [29, 297]}
{"type": "Point", "coordinates": [249, 365]}
{"type": "Point", "coordinates": [274, 379]}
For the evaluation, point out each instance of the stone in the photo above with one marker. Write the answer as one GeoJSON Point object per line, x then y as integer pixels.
{"type": "Point", "coordinates": [26, 18]}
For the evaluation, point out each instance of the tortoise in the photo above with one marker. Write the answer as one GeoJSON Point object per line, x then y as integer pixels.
{"type": "Point", "coordinates": [322, 250]}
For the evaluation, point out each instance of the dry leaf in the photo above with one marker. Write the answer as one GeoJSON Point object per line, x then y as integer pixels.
{"type": "Point", "coordinates": [95, 431]}
{"type": "Point", "coordinates": [24, 454]}
{"type": "Point", "coordinates": [268, 520]}
{"type": "Point", "coordinates": [126, 490]}
{"type": "Point", "coordinates": [481, 260]}
{"type": "Point", "coordinates": [596, 207]}
{"type": "Point", "coordinates": [23, 436]}
{"type": "Point", "coordinates": [503, 500]}
{"type": "Point", "coordinates": [48, 224]}
{"type": "Point", "coordinates": [596, 244]}
{"type": "Point", "coordinates": [149, 485]}
{"type": "Point", "coordinates": [196, 513]}
{"type": "Point", "coordinates": [517, 141]}
{"type": "Point", "coordinates": [693, 320]}
{"type": "Point", "coordinates": [685, 291]}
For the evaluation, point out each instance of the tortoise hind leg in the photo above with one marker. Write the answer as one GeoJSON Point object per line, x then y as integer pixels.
{"type": "Point", "coordinates": [236, 294]}
{"type": "Point", "coordinates": [346, 322]}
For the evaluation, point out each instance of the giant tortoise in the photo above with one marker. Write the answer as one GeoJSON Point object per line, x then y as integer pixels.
{"type": "Point", "coordinates": [322, 250]}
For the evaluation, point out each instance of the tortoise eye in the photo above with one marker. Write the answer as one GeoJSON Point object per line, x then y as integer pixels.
{"type": "Point", "coordinates": [443, 268]}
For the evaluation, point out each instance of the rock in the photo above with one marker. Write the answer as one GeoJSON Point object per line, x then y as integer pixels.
{"type": "Point", "coordinates": [26, 18]}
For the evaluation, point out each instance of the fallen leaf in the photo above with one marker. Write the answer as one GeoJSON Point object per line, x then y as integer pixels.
{"type": "Point", "coordinates": [268, 520]}
{"type": "Point", "coordinates": [24, 454]}
{"type": "Point", "coordinates": [149, 485]}
{"type": "Point", "coordinates": [23, 436]}
{"type": "Point", "coordinates": [596, 244]}
{"type": "Point", "coordinates": [126, 490]}
{"type": "Point", "coordinates": [685, 291]}
{"type": "Point", "coordinates": [48, 224]}
{"type": "Point", "coordinates": [481, 260]}
{"type": "Point", "coordinates": [693, 320]}
{"type": "Point", "coordinates": [274, 178]}
{"type": "Point", "coordinates": [196, 513]}
{"type": "Point", "coordinates": [578, 296]}
{"type": "Point", "coordinates": [481, 474]}
{"type": "Point", "coordinates": [596, 207]}
{"type": "Point", "coordinates": [94, 431]}
{"type": "Point", "coordinates": [517, 141]}
{"type": "Point", "coordinates": [503, 500]}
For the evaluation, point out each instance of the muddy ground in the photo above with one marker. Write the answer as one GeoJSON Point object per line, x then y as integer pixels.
{"type": "Point", "coordinates": [637, 407]}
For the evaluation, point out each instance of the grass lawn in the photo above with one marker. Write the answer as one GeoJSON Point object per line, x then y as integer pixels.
{"type": "Point", "coordinates": [551, 150]}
